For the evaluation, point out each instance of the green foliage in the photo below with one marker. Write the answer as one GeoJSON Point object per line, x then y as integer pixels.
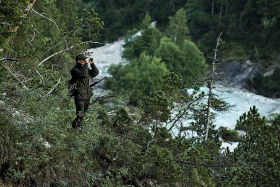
{"type": "Point", "coordinates": [147, 42]}
{"type": "Point", "coordinates": [256, 159]}
{"type": "Point", "coordinates": [197, 156]}
{"type": "Point", "coordinates": [250, 121]}
{"type": "Point", "coordinates": [92, 25]}
{"type": "Point", "coordinates": [195, 67]}
{"type": "Point", "coordinates": [158, 162]}
{"type": "Point", "coordinates": [177, 29]}
{"type": "Point", "coordinates": [171, 54]}
{"type": "Point", "coordinates": [120, 16]}
{"type": "Point", "coordinates": [158, 105]}
{"type": "Point", "coordinates": [228, 135]}
{"type": "Point", "coordinates": [140, 78]}
{"type": "Point", "coordinates": [187, 61]}
{"type": "Point", "coordinates": [249, 27]}
{"type": "Point", "coordinates": [171, 83]}
{"type": "Point", "coordinates": [180, 56]}
{"type": "Point", "coordinates": [266, 85]}
{"type": "Point", "coordinates": [9, 135]}
{"type": "Point", "coordinates": [11, 16]}
{"type": "Point", "coordinates": [122, 122]}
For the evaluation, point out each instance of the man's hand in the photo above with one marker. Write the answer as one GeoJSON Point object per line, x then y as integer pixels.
{"type": "Point", "coordinates": [91, 61]}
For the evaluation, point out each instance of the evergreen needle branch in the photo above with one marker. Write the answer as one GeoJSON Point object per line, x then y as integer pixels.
{"type": "Point", "coordinates": [184, 112]}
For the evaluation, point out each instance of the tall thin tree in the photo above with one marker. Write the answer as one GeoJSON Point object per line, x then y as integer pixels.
{"type": "Point", "coordinates": [210, 85]}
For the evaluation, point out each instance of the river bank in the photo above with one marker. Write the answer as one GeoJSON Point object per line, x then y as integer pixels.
{"type": "Point", "coordinates": [231, 91]}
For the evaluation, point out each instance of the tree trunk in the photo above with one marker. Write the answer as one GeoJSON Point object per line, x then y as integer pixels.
{"type": "Point", "coordinates": [213, 4]}
{"type": "Point", "coordinates": [210, 87]}
{"type": "Point", "coordinates": [221, 11]}
{"type": "Point", "coordinates": [171, 4]}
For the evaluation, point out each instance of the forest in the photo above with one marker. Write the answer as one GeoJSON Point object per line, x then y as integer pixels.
{"type": "Point", "coordinates": [132, 136]}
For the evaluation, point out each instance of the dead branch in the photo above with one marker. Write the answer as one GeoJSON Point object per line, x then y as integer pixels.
{"type": "Point", "coordinates": [207, 165]}
{"type": "Point", "coordinates": [101, 99]}
{"type": "Point", "coordinates": [14, 75]}
{"type": "Point", "coordinates": [38, 74]}
{"type": "Point", "coordinates": [64, 50]}
{"type": "Point", "coordinates": [51, 48]}
{"type": "Point", "coordinates": [33, 10]}
{"type": "Point", "coordinates": [27, 80]}
{"type": "Point", "coordinates": [53, 87]}
{"type": "Point", "coordinates": [29, 41]}
{"type": "Point", "coordinates": [184, 112]}
{"type": "Point", "coordinates": [9, 59]}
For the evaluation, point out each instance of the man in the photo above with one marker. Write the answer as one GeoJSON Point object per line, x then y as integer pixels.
{"type": "Point", "coordinates": [82, 94]}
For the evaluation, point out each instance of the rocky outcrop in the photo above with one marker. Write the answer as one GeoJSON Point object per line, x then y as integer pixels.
{"type": "Point", "coordinates": [236, 73]}
{"type": "Point", "coordinates": [269, 71]}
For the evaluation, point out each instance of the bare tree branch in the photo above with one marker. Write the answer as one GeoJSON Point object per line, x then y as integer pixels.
{"type": "Point", "coordinates": [184, 112]}
{"type": "Point", "coordinates": [33, 10]}
{"type": "Point", "coordinates": [63, 51]}
{"type": "Point", "coordinates": [14, 75]}
{"type": "Point", "coordinates": [101, 99]}
{"type": "Point", "coordinates": [9, 59]}
{"type": "Point", "coordinates": [29, 41]}
{"type": "Point", "coordinates": [51, 47]}
{"type": "Point", "coordinates": [53, 87]}
{"type": "Point", "coordinates": [39, 74]}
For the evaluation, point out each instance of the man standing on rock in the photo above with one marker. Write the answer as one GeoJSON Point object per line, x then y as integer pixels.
{"type": "Point", "coordinates": [81, 74]}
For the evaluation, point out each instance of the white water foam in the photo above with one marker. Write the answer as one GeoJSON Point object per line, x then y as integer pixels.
{"type": "Point", "coordinates": [107, 55]}
{"type": "Point", "coordinates": [242, 100]}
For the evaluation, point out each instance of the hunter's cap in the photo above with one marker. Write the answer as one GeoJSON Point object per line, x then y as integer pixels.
{"type": "Point", "coordinates": [81, 57]}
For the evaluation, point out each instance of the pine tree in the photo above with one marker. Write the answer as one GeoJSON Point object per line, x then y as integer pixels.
{"type": "Point", "coordinates": [178, 30]}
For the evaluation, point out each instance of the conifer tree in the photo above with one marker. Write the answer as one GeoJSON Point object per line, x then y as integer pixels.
{"type": "Point", "coordinates": [178, 30]}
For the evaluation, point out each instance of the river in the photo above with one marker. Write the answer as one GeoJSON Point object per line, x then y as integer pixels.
{"type": "Point", "coordinates": [241, 100]}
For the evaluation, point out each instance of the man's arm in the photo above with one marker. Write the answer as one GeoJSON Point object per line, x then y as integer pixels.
{"type": "Point", "coordinates": [93, 71]}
